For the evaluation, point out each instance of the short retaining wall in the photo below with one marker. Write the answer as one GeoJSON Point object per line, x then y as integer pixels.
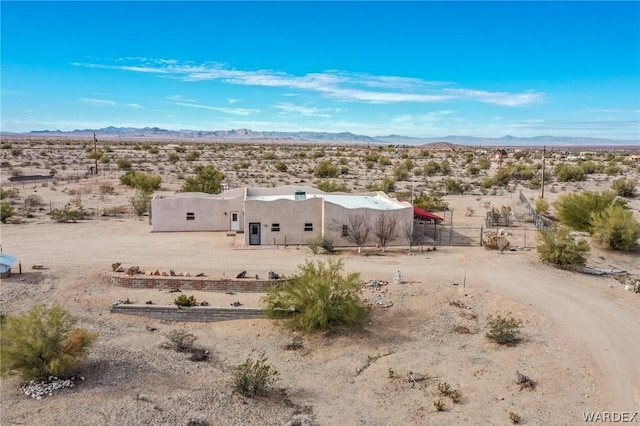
{"type": "Point", "coordinates": [191, 314]}
{"type": "Point", "coordinates": [192, 283]}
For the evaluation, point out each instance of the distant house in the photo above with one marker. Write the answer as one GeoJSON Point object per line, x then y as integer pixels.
{"type": "Point", "coordinates": [277, 216]}
{"type": "Point", "coordinates": [6, 262]}
{"type": "Point", "coordinates": [634, 157]}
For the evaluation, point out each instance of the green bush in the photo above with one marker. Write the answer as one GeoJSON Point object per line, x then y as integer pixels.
{"type": "Point", "coordinates": [504, 331]}
{"type": "Point", "coordinates": [320, 297]}
{"type": "Point", "coordinates": [557, 246]}
{"type": "Point", "coordinates": [173, 157]}
{"type": "Point", "coordinates": [325, 169]}
{"type": "Point", "coordinates": [145, 182]}
{"type": "Point", "coordinates": [387, 185]}
{"type": "Point", "coordinates": [140, 202]}
{"type": "Point", "coordinates": [115, 266]}
{"type": "Point", "coordinates": [185, 301]}
{"type": "Point", "coordinates": [41, 342]}
{"type": "Point", "coordinates": [624, 188]}
{"type": "Point", "coordinates": [320, 242]}
{"type": "Point", "coordinates": [574, 209]}
{"type": "Point", "coordinates": [453, 186]}
{"type": "Point", "coordinates": [281, 166]}
{"type": "Point", "coordinates": [253, 377]}
{"type": "Point", "coordinates": [123, 163]}
{"type": "Point", "coordinates": [181, 341]}
{"type": "Point", "coordinates": [72, 212]}
{"type": "Point", "coordinates": [332, 186]}
{"type": "Point", "coordinates": [569, 173]}
{"type": "Point", "coordinates": [430, 202]}
{"type": "Point", "coordinates": [542, 206]}
{"type": "Point", "coordinates": [615, 228]}
{"type": "Point", "coordinates": [6, 211]}
{"type": "Point", "coordinates": [208, 179]}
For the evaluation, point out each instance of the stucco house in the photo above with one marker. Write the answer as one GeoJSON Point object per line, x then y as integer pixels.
{"type": "Point", "coordinates": [275, 216]}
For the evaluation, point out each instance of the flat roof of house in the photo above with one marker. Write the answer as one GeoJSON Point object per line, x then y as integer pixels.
{"type": "Point", "coordinates": [347, 201]}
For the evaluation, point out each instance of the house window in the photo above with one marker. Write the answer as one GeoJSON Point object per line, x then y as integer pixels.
{"type": "Point", "coordinates": [308, 226]}
{"type": "Point", "coordinates": [275, 227]}
{"type": "Point", "coordinates": [344, 230]}
{"type": "Point", "coordinates": [191, 216]}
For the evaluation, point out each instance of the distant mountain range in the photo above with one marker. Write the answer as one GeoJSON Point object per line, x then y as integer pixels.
{"type": "Point", "coordinates": [245, 134]}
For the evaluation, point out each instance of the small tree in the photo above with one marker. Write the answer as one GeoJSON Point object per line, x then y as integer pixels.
{"type": "Point", "coordinates": [253, 377]}
{"type": "Point", "coordinates": [41, 342]}
{"type": "Point", "coordinates": [413, 232]}
{"type": "Point", "coordinates": [145, 182]}
{"type": "Point", "coordinates": [320, 297]}
{"type": "Point", "coordinates": [615, 228]}
{"type": "Point", "coordinates": [355, 229]}
{"type": "Point", "coordinates": [385, 230]}
{"type": "Point", "coordinates": [557, 246]}
{"type": "Point", "coordinates": [208, 180]}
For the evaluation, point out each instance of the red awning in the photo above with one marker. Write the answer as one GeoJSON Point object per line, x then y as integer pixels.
{"type": "Point", "coordinates": [425, 215]}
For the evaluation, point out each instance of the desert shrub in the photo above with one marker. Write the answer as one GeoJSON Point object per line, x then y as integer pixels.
{"type": "Point", "coordinates": [320, 242]}
{"type": "Point", "coordinates": [590, 167]}
{"type": "Point", "coordinates": [173, 157]}
{"type": "Point", "coordinates": [8, 193]}
{"type": "Point", "coordinates": [332, 186]}
{"type": "Point", "coordinates": [143, 181]}
{"type": "Point", "coordinates": [281, 166]}
{"type": "Point", "coordinates": [71, 212]}
{"type": "Point", "coordinates": [439, 404]}
{"type": "Point", "coordinates": [41, 342]}
{"type": "Point", "coordinates": [140, 202]}
{"type": "Point", "coordinates": [515, 418]}
{"type": "Point", "coordinates": [319, 297]}
{"type": "Point", "coordinates": [624, 188]}
{"type": "Point", "coordinates": [612, 170]}
{"type": "Point", "coordinates": [574, 209]}
{"type": "Point", "coordinates": [253, 377]}
{"type": "Point", "coordinates": [493, 241]}
{"type": "Point", "coordinates": [569, 173]}
{"type": "Point", "coordinates": [504, 331]}
{"type": "Point", "coordinates": [524, 381]}
{"type": "Point", "coordinates": [185, 301]}
{"type": "Point", "coordinates": [542, 206]}
{"type": "Point", "coordinates": [615, 228]}
{"type": "Point", "coordinates": [325, 169]}
{"type": "Point", "coordinates": [386, 185]}
{"type": "Point", "coordinates": [208, 179]}
{"type": "Point", "coordinates": [192, 156]}
{"type": "Point", "coordinates": [6, 211]}
{"type": "Point", "coordinates": [16, 151]}
{"type": "Point", "coordinates": [33, 200]}
{"type": "Point", "coordinates": [430, 202]}
{"type": "Point", "coordinates": [180, 340]}
{"type": "Point", "coordinates": [558, 247]}
{"type": "Point", "coordinates": [107, 188]}
{"type": "Point", "coordinates": [453, 186]}
{"type": "Point", "coordinates": [115, 266]}
{"type": "Point", "coordinates": [123, 163]}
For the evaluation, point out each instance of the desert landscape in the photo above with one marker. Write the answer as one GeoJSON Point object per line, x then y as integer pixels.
{"type": "Point", "coordinates": [580, 335]}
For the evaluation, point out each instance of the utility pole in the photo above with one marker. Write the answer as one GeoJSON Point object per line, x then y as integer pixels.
{"type": "Point", "coordinates": [95, 151]}
{"type": "Point", "coordinates": [544, 150]}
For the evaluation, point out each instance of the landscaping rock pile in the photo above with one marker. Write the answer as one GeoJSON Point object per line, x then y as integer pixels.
{"type": "Point", "coordinates": [41, 389]}
{"type": "Point", "coordinates": [375, 284]}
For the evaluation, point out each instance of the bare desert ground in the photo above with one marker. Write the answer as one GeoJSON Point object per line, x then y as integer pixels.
{"type": "Point", "coordinates": [581, 334]}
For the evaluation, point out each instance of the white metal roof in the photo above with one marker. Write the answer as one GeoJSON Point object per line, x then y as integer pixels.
{"type": "Point", "coordinates": [348, 201]}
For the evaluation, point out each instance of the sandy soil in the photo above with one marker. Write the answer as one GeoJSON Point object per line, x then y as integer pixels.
{"type": "Point", "coordinates": [581, 334]}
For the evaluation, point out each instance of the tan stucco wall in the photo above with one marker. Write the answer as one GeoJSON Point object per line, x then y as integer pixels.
{"type": "Point", "coordinates": [211, 214]}
{"type": "Point", "coordinates": [290, 214]}
{"type": "Point", "coordinates": [335, 216]}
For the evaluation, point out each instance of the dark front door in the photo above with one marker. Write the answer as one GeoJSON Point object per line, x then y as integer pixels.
{"type": "Point", "coordinates": [254, 233]}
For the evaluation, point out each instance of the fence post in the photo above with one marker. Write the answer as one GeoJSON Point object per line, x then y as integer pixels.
{"type": "Point", "coordinates": [481, 232]}
{"type": "Point", "coordinates": [525, 238]}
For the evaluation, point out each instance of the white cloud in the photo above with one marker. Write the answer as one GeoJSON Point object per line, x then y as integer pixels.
{"type": "Point", "coordinates": [98, 102]}
{"type": "Point", "coordinates": [303, 110]}
{"type": "Point", "coordinates": [233, 111]}
{"type": "Point", "coordinates": [180, 98]}
{"type": "Point", "coordinates": [135, 105]}
{"type": "Point", "coordinates": [338, 85]}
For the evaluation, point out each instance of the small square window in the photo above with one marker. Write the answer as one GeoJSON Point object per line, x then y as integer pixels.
{"type": "Point", "coordinates": [308, 226]}
{"type": "Point", "coordinates": [345, 230]}
{"type": "Point", "coordinates": [191, 216]}
{"type": "Point", "coordinates": [275, 227]}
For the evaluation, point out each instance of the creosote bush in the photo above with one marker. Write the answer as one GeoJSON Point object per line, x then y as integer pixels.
{"type": "Point", "coordinates": [42, 342]}
{"type": "Point", "coordinates": [504, 331]}
{"type": "Point", "coordinates": [615, 228]}
{"type": "Point", "coordinates": [320, 242]}
{"type": "Point", "coordinates": [181, 341]}
{"type": "Point", "coordinates": [253, 377]}
{"type": "Point", "coordinates": [185, 301]}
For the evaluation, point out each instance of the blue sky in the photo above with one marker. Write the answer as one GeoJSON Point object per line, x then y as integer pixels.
{"type": "Point", "coordinates": [423, 69]}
